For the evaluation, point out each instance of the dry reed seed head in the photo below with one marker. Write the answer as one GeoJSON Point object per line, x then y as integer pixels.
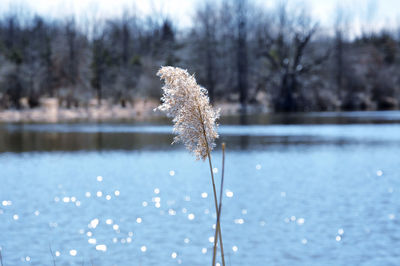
{"type": "Point", "coordinates": [188, 104]}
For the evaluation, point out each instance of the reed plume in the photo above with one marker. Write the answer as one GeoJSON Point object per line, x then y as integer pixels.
{"type": "Point", "coordinates": [188, 105]}
{"type": "Point", "coordinates": [195, 126]}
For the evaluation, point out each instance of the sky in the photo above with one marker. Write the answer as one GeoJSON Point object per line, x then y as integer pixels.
{"type": "Point", "coordinates": [385, 13]}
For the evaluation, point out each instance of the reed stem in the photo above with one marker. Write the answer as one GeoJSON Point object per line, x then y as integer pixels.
{"type": "Point", "coordinates": [217, 226]}
{"type": "Point", "coordinates": [218, 223]}
{"type": "Point", "coordinates": [220, 199]}
{"type": "Point", "coordinates": [52, 255]}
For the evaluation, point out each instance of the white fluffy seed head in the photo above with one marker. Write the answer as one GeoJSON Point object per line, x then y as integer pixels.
{"type": "Point", "coordinates": [188, 105]}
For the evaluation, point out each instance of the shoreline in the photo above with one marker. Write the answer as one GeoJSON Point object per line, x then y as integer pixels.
{"type": "Point", "coordinates": [140, 110]}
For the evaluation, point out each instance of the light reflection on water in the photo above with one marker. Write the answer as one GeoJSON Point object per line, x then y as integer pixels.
{"type": "Point", "coordinates": [328, 195]}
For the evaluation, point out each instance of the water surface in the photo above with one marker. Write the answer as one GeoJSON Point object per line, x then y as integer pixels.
{"type": "Point", "coordinates": [295, 194]}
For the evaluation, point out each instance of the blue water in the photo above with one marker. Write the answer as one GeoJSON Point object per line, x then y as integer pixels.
{"type": "Point", "coordinates": [294, 195]}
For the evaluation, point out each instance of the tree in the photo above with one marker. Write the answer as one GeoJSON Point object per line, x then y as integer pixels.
{"type": "Point", "coordinates": [206, 45]}
{"type": "Point", "coordinates": [242, 62]}
{"type": "Point", "coordinates": [285, 49]}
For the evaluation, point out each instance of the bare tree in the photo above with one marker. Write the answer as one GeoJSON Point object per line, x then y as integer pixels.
{"type": "Point", "coordinates": [205, 45]}
{"type": "Point", "coordinates": [243, 52]}
{"type": "Point", "coordinates": [285, 49]}
{"type": "Point", "coordinates": [100, 56]}
{"type": "Point", "coordinates": [242, 62]}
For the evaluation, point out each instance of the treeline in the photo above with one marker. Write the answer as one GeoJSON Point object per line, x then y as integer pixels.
{"type": "Point", "coordinates": [239, 51]}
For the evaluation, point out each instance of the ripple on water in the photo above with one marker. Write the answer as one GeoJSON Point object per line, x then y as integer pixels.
{"type": "Point", "coordinates": [192, 204]}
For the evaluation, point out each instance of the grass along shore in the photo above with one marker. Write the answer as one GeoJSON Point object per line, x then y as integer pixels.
{"type": "Point", "coordinates": [49, 111]}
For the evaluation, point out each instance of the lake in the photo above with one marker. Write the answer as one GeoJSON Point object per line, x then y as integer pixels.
{"type": "Point", "coordinates": [300, 189]}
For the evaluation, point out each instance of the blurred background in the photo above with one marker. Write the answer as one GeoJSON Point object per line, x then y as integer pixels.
{"type": "Point", "coordinates": [283, 56]}
{"type": "Point", "coordinates": [309, 93]}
